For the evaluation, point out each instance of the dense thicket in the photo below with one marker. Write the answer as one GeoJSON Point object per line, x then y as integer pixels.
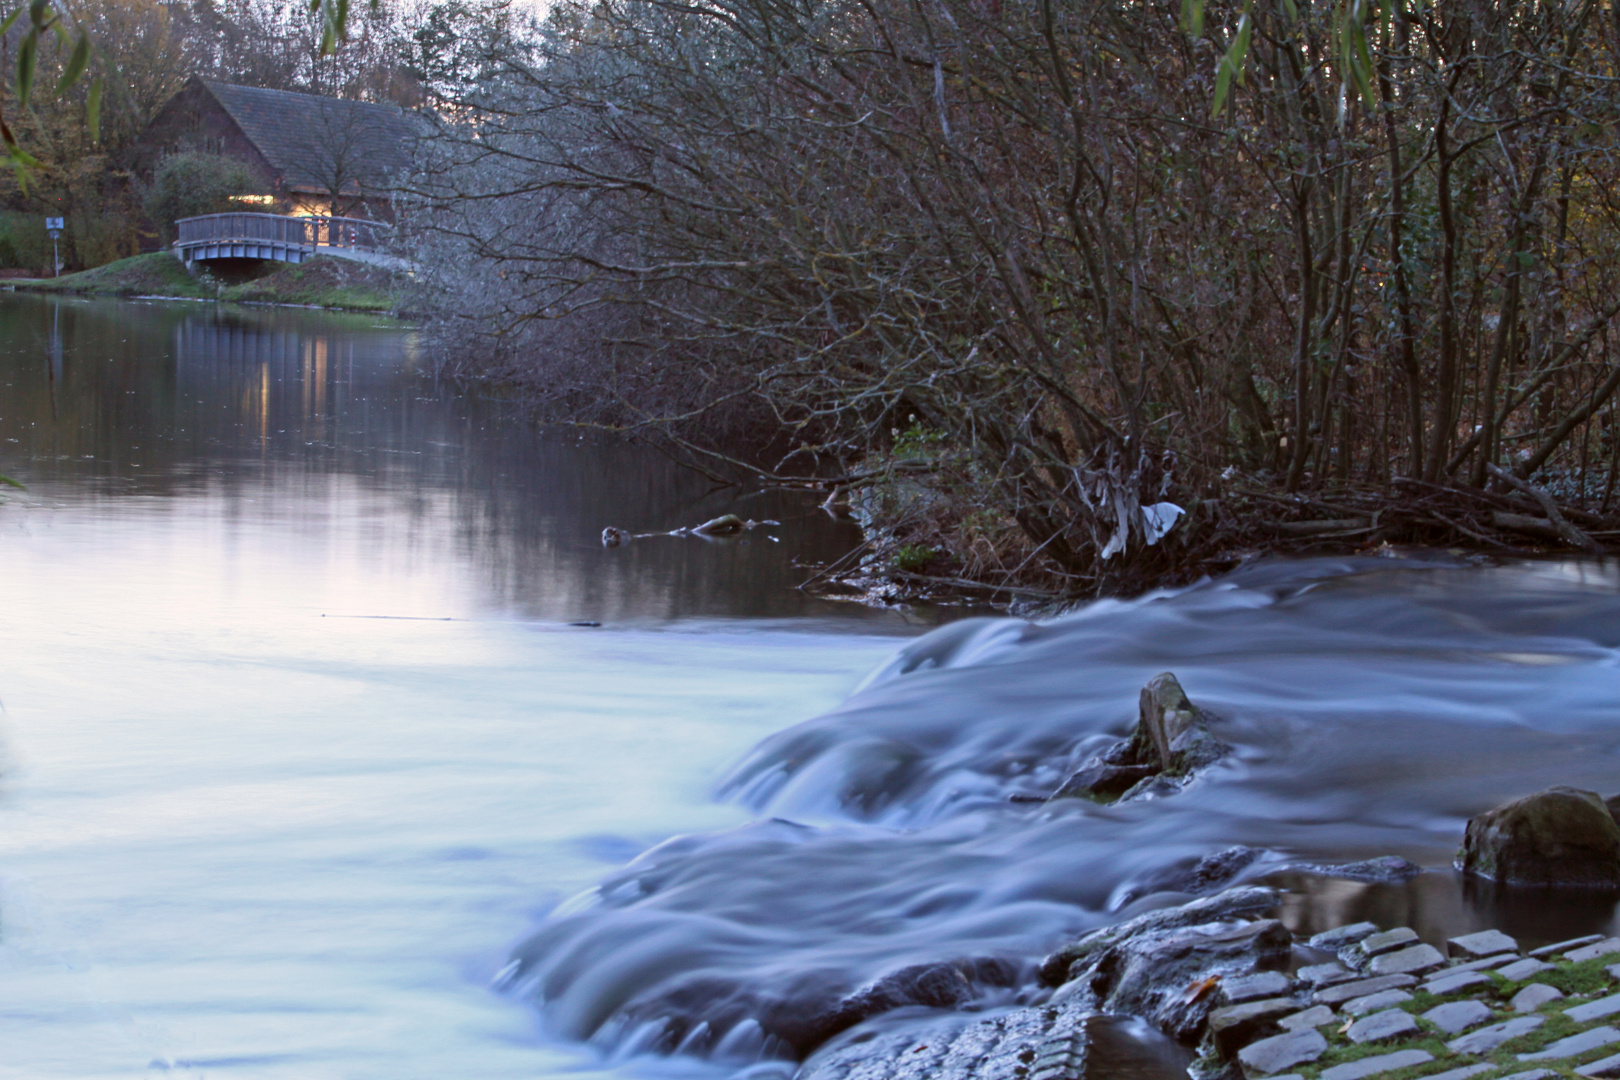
{"type": "Point", "coordinates": [1009, 235]}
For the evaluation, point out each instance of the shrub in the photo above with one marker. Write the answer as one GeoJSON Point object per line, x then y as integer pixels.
{"type": "Point", "coordinates": [191, 183]}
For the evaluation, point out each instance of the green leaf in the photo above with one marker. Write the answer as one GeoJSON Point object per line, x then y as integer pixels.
{"type": "Point", "coordinates": [1232, 63]}
{"type": "Point", "coordinates": [5, 24]}
{"type": "Point", "coordinates": [9, 482]}
{"type": "Point", "coordinates": [92, 109]}
{"type": "Point", "coordinates": [1291, 10]}
{"type": "Point", "coordinates": [25, 66]}
{"type": "Point", "coordinates": [76, 63]}
{"type": "Point", "coordinates": [37, 10]}
{"type": "Point", "coordinates": [1192, 17]}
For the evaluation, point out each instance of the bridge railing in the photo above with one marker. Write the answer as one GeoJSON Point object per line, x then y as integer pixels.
{"type": "Point", "coordinates": [310, 232]}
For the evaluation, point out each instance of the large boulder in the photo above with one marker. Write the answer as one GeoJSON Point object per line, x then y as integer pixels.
{"type": "Point", "coordinates": [1560, 836]}
{"type": "Point", "coordinates": [1171, 741]}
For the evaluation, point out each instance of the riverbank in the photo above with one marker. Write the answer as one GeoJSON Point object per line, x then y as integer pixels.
{"type": "Point", "coordinates": [923, 543]}
{"type": "Point", "coordinates": [322, 282]}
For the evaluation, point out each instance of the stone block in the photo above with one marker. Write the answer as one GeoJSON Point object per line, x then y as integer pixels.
{"type": "Point", "coordinates": [1280, 1051]}
{"type": "Point", "coordinates": [1575, 1045]}
{"type": "Point", "coordinates": [1373, 1002]}
{"type": "Point", "coordinates": [1313, 1017]}
{"type": "Point", "coordinates": [1411, 961]}
{"type": "Point", "coordinates": [1487, 963]}
{"type": "Point", "coordinates": [1265, 984]}
{"type": "Point", "coordinates": [1593, 951]}
{"type": "Point", "coordinates": [1487, 1039]}
{"type": "Point", "coordinates": [1564, 946]}
{"type": "Point", "coordinates": [1372, 1066]}
{"type": "Point", "coordinates": [1458, 1016]}
{"type": "Point", "coordinates": [1387, 941]}
{"type": "Point", "coordinates": [1235, 1026]}
{"type": "Point", "coordinates": [1449, 982]}
{"type": "Point", "coordinates": [1520, 970]}
{"type": "Point", "coordinates": [1339, 937]}
{"type": "Point", "coordinates": [1381, 1025]}
{"type": "Point", "coordinates": [1609, 1066]}
{"type": "Point", "coordinates": [1342, 992]}
{"type": "Point", "coordinates": [1534, 997]}
{"type": "Point", "coordinates": [1593, 1010]}
{"type": "Point", "coordinates": [1326, 974]}
{"type": "Point", "coordinates": [1484, 943]}
{"type": "Point", "coordinates": [1463, 1073]}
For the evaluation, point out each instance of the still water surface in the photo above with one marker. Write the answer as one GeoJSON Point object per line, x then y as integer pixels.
{"type": "Point", "coordinates": [311, 777]}
{"type": "Point", "coordinates": [298, 740]}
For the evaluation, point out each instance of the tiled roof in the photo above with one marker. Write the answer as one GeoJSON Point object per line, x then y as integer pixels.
{"type": "Point", "coordinates": [315, 141]}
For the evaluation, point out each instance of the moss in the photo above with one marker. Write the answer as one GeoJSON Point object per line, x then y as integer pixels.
{"type": "Point", "coordinates": [1339, 1054]}
{"type": "Point", "coordinates": [1586, 977]}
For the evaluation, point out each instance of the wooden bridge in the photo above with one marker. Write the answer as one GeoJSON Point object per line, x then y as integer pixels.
{"type": "Point", "coordinates": [284, 239]}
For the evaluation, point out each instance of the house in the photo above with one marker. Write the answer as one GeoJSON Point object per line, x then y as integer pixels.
{"type": "Point", "coordinates": [315, 155]}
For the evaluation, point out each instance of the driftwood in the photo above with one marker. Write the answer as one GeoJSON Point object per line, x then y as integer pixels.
{"type": "Point", "coordinates": [724, 525]}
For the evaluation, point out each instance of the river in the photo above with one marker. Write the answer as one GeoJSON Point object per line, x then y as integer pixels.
{"type": "Point", "coordinates": [309, 772]}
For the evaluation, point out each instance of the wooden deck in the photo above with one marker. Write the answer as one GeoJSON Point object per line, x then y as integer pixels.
{"type": "Point", "coordinates": [273, 236]}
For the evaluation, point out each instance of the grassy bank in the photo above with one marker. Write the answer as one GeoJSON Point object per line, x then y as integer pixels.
{"type": "Point", "coordinates": [320, 282]}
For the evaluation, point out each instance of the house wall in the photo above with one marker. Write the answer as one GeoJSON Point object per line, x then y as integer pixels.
{"type": "Point", "coordinates": [194, 120]}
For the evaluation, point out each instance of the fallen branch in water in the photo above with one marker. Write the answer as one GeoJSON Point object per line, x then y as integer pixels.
{"type": "Point", "coordinates": [724, 525]}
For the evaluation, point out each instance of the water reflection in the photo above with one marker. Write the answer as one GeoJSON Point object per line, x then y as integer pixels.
{"type": "Point", "coordinates": [275, 418]}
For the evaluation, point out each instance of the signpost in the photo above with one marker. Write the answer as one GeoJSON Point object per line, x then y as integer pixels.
{"type": "Point", "coordinates": [53, 226]}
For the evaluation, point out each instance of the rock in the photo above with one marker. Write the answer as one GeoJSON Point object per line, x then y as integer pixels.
{"type": "Point", "coordinates": [1171, 741]}
{"type": "Point", "coordinates": [1449, 982]}
{"type": "Point", "coordinates": [1372, 1066]}
{"type": "Point", "coordinates": [1387, 941]}
{"type": "Point", "coordinates": [1342, 936]}
{"type": "Point", "coordinates": [1373, 1002]}
{"type": "Point", "coordinates": [1520, 970]}
{"type": "Point", "coordinates": [1592, 1010]}
{"type": "Point", "coordinates": [1040, 1042]}
{"type": "Point", "coordinates": [1484, 943]}
{"type": "Point", "coordinates": [1560, 836]}
{"type": "Point", "coordinates": [1534, 997]}
{"type": "Point", "coordinates": [1562, 946]}
{"type": "Point", "coordinates": [1487, 1039]}
{"type": "Point", "coordinates": [1244, 902]}
{"type": "Point", "coordinates": [1613, 971]}
{"type": "Point", "coordinates": [1338, 995]}
{"type": "Point", "coordinates": [1381, 1025]}
{"type": "Point", "coordinates": [1326, 974]}
{"type": "Point", "coordinates": [1413, 961]}
{"type": "Point", "coordinates": [1313, 1017]}
{"type": "Point", "coordinates": [1150, 975]}
{"type": "Point", "coordinates": [1458, 1016]}
{"type": "Point", "coordinates": [1236, 1026]}
{"type": "Point", "coordinates": [1575, 1045]}
{"type": "Point", "coordinates": [1385, 868]}
{"type": "Point", "coordinates": [1165, 716]}
{"type": "Point", "coordinates": [1100, 780]}
{"type": "Point", "coordinates": [1593, 951]}
{"type": "Point", "coordinates": [1280, 1051]}
{"type": "Point", "coordinates": [1467, 1072]}
{"type": "Point", "coordinates": [1266, 984]}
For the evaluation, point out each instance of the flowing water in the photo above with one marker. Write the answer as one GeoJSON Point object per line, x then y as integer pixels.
{"type": "Point", "coordinates": [310, 776]}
